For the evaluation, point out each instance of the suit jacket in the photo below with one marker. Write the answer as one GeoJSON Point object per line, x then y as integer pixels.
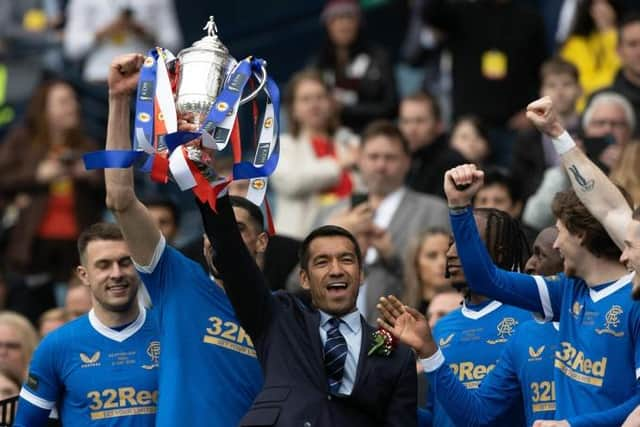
{"type": "Point", "coordinates": [285, 332]}
{"type": "Point", "coordinates": [416, 212]}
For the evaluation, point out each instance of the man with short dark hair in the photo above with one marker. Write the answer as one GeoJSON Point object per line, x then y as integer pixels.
{"type": "Point", "coordinates": [116, 345]}
{"type": "Point", "coordinates": [318, 354]}
{"type": "Point", "coordinates": [420, 121]}
{"type": "Point", "coordinates": [391, 214]}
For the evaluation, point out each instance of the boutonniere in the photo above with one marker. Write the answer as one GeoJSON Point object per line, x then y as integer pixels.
{"type": "Point", "coordinates": [383, 343]}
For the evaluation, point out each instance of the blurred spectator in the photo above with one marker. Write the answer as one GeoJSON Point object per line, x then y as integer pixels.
{"type": "Point", "coordinates": [497, 48]}
{"type": "Point", "coordinates": [359, 73]}
{"type": "Point", "coordinates": [470, 138]}
{"type": "Point", "coordinates": [166, 215]}
{"type": "Point", "coordinates": [444, 302]}
{"type": "Point", "coordinates": [10, 384]}
{"type": "Point", "coordinates": [18, 339]}
{"type": "Point", "coordinates": [627, 173]}
{"type": "Point", "coordinates": [533, 153]}
{"type": "Point", "coordinates": [99, 30]}
{"type": "Point", "coordinates": [425, 267]}
{"type": "Point", "coordinates": [609, 115]}
{"type": "Point", "coordinates": [78, 299]}
{"type": "Point", "coordinates": [51, 319]}
{"type": "Point", "coordinates": [591, 46]}
{"type": "Point", "coordinates": [316, 157]}
{"type": "Point", "coordinates": [545, 260]}
{"type": "Point", "coordinates": [42, 161]}
{"type": "Point", "coordinates": [421, 124]}
{"type": "Point", "coordinates": [389, 214]}
{"type": "Point", "coordinates": [500, 191]}
{"type": "Point", "coordinates": [627, 82]}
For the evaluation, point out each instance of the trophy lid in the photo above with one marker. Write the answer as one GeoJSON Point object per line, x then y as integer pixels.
{"type": "Point", "coordinates": [210, 42]}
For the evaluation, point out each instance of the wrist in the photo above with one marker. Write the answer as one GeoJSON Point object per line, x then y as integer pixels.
{"type": "Point", "coordinates": [428, 350]}
{"type": "Point", "coordinates": [563, 143]}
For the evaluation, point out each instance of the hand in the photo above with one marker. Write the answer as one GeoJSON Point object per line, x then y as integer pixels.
{"type": "Point", "coordinates": [610, 156]}
{"type": "Point", "coordinates": [407, 325]}
{"type": "Point", "coordinates": [544, 118]}
{"type": "Point", "coordinates": [78, 170]}
{"type": "Point", "coordinates": [462, 183]}
{"type": "Point", "coordinates": [519, 121]}
{"type": "Point", "coordinates": [604, 15]}
{"type": "Point", "coordinates": [347, 155]}
{"type": "Point", "coordinates": [358, 220]}
{"type": "Point", "coordinates": [551, 423]}
{"type": "Point", "coordinates": [124, 73]}
{"type": "Point", "coordinates": [49, 170]}
{"type": "Point", "coordinates": [117, 27]}
{"type": "Point", "coordinates": [381, 240]}
{"type": "Point", "coordinates": [633, 420]}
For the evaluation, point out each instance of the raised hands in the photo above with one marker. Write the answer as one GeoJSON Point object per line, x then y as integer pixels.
{"type": "Point", "coordinates": [462, 183]}
{"type": "Point", "coordinates": [124, 73]}
{"type": "Point", "coordinates": [544, 117]}
{"type": "Point", "coordinates": [407, 325]}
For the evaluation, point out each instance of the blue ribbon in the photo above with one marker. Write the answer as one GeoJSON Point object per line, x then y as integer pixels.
{"type": "Point", "coordinates": [247, 170]}
{"type": "Point", "coordinates": [225, 101]}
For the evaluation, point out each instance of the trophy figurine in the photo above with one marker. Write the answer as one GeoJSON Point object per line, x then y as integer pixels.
{"type": "Point", "coordinates": [202, 70]}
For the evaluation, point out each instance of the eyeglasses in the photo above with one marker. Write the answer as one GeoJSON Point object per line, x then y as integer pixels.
{"type": "Point", "coordinates": [615, 124]}
{"type": "Point", "coordinates": [10, 345]}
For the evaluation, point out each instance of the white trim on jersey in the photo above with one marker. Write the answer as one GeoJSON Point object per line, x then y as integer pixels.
{"type": "Point", "coordinates": [475, 315]}
{"type": "Point", "coordinates": [432, 363]}
{"type": "Point", "coordinates": [118, 336]}
{"type": "Point", "coordinates": [612, 288]}
{"type": "Point", "coordinates": [155, 259]}
{"type": "Point", "coordinates": [36, 401]}
{"type": "Point", "coordinates": [545, 300]}
{"type": "Point", "coordinates": [637, 373]}
{"type": "Point", "coordinates": [556, 326]}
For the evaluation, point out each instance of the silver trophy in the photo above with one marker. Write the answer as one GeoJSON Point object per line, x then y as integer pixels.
{"type": "Point", "coordinates": [203, 69]}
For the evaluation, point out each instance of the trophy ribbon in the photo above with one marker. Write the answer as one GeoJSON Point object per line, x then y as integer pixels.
{"type": "Point", "coordinates": [165, 152]}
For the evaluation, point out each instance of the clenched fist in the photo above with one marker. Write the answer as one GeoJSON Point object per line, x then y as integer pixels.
{"type": "Point", "coordinates": [543, 116]}
{"type": "Point", "coordinates": [124, 73]}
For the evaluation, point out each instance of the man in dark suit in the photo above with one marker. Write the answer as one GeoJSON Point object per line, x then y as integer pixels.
{"type": "Point", "coordinates": [313, 347]}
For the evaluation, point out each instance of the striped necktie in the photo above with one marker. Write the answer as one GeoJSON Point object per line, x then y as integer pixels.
{"type": "Point", "coordinates": [335, 354]}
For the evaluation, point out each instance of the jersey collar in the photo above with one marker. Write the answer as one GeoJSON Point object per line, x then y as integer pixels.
{"type": "Point", "coordinates": [615, 286]}
{"type": "Point", "coordinates": [118, 336]}
{"type": "Point", "coordinates": [472, 314]}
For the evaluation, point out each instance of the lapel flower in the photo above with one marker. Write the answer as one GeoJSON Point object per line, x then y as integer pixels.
{"type": "Point", "coordinates": [383, 343]}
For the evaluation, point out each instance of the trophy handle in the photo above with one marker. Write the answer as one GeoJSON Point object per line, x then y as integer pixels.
{"type": "Point", "coordinates": [262, 79]}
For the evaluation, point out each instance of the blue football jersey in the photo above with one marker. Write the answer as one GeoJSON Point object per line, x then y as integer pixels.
{"type": "Point", "coordinates": [472, 339]}
{"type": "Point", "coordinates": [531, 355]}
{"type": "Point", "coordinates": [523, 375]}
{"type": "Point", "coordinates": [597, 360]}
{"type": "Point", "coordinates": [209, 373]}
{"type": "Point", "coordinates": [94, 375]}
{"type": "Point", "coordinates": [598, 356]}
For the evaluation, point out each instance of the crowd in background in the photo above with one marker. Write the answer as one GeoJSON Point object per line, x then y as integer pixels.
{"type": "Point", "coordinates": [365, 143]}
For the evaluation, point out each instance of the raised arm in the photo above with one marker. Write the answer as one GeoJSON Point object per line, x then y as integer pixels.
{"type": "Point", "coordinates": [138, 227]}
{"type": "Point", "coordinates": [603, 199]}
{"type": "Point", "coordinates": [242, 279]}
{"type": "Point", "coordinates": [532, 293]}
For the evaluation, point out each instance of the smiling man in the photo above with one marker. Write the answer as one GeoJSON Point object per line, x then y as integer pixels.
{"type": "Point", "coordinates": [115, 345]}
{"type": "Point", "coordinates": [314, 348]}
{"type": "Point", "coordinates": [597, 364]}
